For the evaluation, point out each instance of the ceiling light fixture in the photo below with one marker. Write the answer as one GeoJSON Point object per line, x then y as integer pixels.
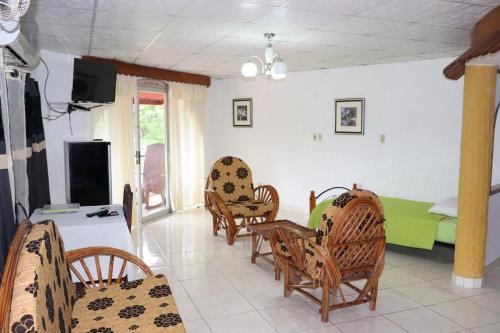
{"type": "Point", "coordinates": [272, 65]}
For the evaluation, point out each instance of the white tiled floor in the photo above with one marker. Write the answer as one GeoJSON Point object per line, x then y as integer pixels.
{"type": "Point", "coordinates": [218, 290]}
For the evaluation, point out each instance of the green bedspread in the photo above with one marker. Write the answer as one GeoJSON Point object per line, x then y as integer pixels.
{"type": "Point", "coordinates": [447, 230]}
{"type": "Point", "coordinates": [407, 223]}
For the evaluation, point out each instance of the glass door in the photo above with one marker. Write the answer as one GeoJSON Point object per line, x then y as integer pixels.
{"type": "Point", "coordinates": [152, 150]}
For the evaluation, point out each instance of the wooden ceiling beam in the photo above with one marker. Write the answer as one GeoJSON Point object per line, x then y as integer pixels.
{"type": "Point", "coordinates": [485, 39]}
{"type": "Point", "coordinates": [153, 72]}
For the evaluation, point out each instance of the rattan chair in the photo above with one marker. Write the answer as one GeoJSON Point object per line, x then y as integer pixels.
{"type": "Point", "coordinates": [230, 196]}
{"type": "Point", "coordinates": [349, 249]}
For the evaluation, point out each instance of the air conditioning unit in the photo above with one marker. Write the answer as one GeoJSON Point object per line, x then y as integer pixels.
{"type": "Point", "coordinates": [19, 51]}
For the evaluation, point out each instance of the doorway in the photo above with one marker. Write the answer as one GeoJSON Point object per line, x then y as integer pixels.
{"type": "Point", "coordinates": [151, 141]}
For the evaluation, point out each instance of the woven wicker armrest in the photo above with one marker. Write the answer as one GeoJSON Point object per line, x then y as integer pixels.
{"type": "Point", "coordinates": [79, 255]}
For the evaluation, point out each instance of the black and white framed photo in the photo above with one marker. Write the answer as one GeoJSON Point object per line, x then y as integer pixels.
{"type": "Point", "coordinates": [350, 116]}
{"type": "Point", "coordinates": [242, 112]}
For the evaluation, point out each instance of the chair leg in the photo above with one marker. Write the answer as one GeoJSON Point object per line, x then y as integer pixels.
{"type": "Point", "coordinates": [230, 237]}
{"type": "Point", "coordinates": [286, 281]}
{"type": "Point", "coordinates": [325, 302]}
{"type": "Point", "coordinates": [231, 231]}
{"type": "Point", "coordinates": [255, 241]}
{"type": "Point", "coordinates": [215, 225]}
{"type": "Point", "coordinates": [277, 272]}
{"type": "Point", "coordinates": [373, 294]}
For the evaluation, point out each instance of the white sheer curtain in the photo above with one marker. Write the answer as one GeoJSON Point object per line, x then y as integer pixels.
{"type": "Point", "coordinates": [186, 135]}
{"type": "Point", "coordinates": [114, 123]}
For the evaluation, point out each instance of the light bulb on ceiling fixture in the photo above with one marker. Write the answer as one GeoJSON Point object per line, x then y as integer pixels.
{"type": "Point", "coordinates": [279, 70]}
{"type": "Point", "coordinates": [272, 65]}
{"type": "Point", "coordinates": [249, 69]}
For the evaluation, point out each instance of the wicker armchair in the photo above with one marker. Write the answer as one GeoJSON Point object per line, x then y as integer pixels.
{"type": "Point", "coordinates": [349, 247]}
{"type": "Point", "coordinates": [231, 196]}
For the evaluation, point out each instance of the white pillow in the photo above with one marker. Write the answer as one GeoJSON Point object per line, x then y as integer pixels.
{"type": "Point", "coordinates": [447, 207]}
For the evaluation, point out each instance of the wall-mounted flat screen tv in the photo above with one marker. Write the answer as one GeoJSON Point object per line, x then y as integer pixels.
{"type": "Point", "coordinates": [93, 82]}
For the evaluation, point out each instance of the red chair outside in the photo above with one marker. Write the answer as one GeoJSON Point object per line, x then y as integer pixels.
{"type": "Point", "coordinates": [153, 178]}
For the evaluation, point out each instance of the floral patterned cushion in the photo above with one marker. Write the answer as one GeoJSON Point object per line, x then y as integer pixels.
{"type": "Point", "coordinates": [313, 264]}
{"type": "Point", "coordinates": [43, 294]}
{"type": "Point", "coordinates": [250, 208]}
{"type": "Point", "coordinates": [144, 305]}
{"type": "Point", "coordinates": [331, 212]}
{"type": "Point", "coordinates": [231, 178]}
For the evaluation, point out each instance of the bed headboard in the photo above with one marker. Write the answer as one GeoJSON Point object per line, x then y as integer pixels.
{"type": "Point", "coordinates": [495, 189]}
{"type": "Point", "coordinates": [313, 197]}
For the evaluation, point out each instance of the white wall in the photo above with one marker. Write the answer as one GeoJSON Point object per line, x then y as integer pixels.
{"type": "Point", "coordinates": [492, 243]}
{"type": "Point", "coordinates": [59, 87]}
{"type": "Point", "coordinates": [495, 176]}
{"type": "Point", "coordinates": [412, 103]}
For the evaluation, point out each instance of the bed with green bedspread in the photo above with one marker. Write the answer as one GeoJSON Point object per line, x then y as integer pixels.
{"type": "Point", "coordinates": [407, 223]}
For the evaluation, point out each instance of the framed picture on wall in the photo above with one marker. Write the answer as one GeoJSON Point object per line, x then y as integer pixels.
{"type": "Point", "coordinates": [350, 116]}
{"type": "Point", "coordinates": [242, 112]}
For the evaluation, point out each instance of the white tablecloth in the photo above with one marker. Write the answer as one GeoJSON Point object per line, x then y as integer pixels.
{"type": "Point", "coordinates": [77, 231]}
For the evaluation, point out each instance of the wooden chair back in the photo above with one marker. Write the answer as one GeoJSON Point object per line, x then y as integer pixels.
{"type": "Point", "coordinates": [104, 259]}
{"type": "Point", "coordinates": [9, 273]}
{"type": "Point", "coordinates": [128, 201]}
{"type": "Point", "coordinates": [357, 238]}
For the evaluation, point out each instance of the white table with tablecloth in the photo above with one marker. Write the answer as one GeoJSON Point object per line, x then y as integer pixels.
{"type": "Point", "coordinates": [78, 231]}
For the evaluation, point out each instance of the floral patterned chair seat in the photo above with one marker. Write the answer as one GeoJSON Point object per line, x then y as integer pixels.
{"type": "Point", "coordinates": [144, 305]}
{"type": "Point", "coordinates": [250, 208]}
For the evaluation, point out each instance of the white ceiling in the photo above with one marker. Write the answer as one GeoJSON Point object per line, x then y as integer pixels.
{"type": "Point", "coordinates": [214, 37]}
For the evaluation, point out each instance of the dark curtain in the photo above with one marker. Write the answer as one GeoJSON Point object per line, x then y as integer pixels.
{"type": "Point", "coordinates": [36, 164]}
{"type": "Point", "coordinates": [7, 222]}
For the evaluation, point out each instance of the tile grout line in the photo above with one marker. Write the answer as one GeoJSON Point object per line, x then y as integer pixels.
{"type": "Point", "coordinates": [397, 323]}
{"type": "Point", "coordinates": [439, 314]}
{"type": "Point", "coordinates": [464, 299]}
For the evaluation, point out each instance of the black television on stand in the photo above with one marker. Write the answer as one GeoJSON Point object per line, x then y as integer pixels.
{"type": "Point", "coordinates": [93, 82]}
{"type": "Point", "coordinates": [87, 169]}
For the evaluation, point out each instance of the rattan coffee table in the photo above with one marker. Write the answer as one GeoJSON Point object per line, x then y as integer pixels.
{"type": "Point", "coordinates": [262, 232]}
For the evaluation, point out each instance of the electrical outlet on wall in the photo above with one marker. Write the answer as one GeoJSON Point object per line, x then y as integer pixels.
{"type": "Point", "coordinates": [315, 137]}
{"type": "Point", "coordinates": [320, 137]}
{"type": "Point", "coordinates": [382, 138]}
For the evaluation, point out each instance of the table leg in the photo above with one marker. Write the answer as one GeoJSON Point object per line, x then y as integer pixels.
{"type": "Point", "coordinates": [254, 247]}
